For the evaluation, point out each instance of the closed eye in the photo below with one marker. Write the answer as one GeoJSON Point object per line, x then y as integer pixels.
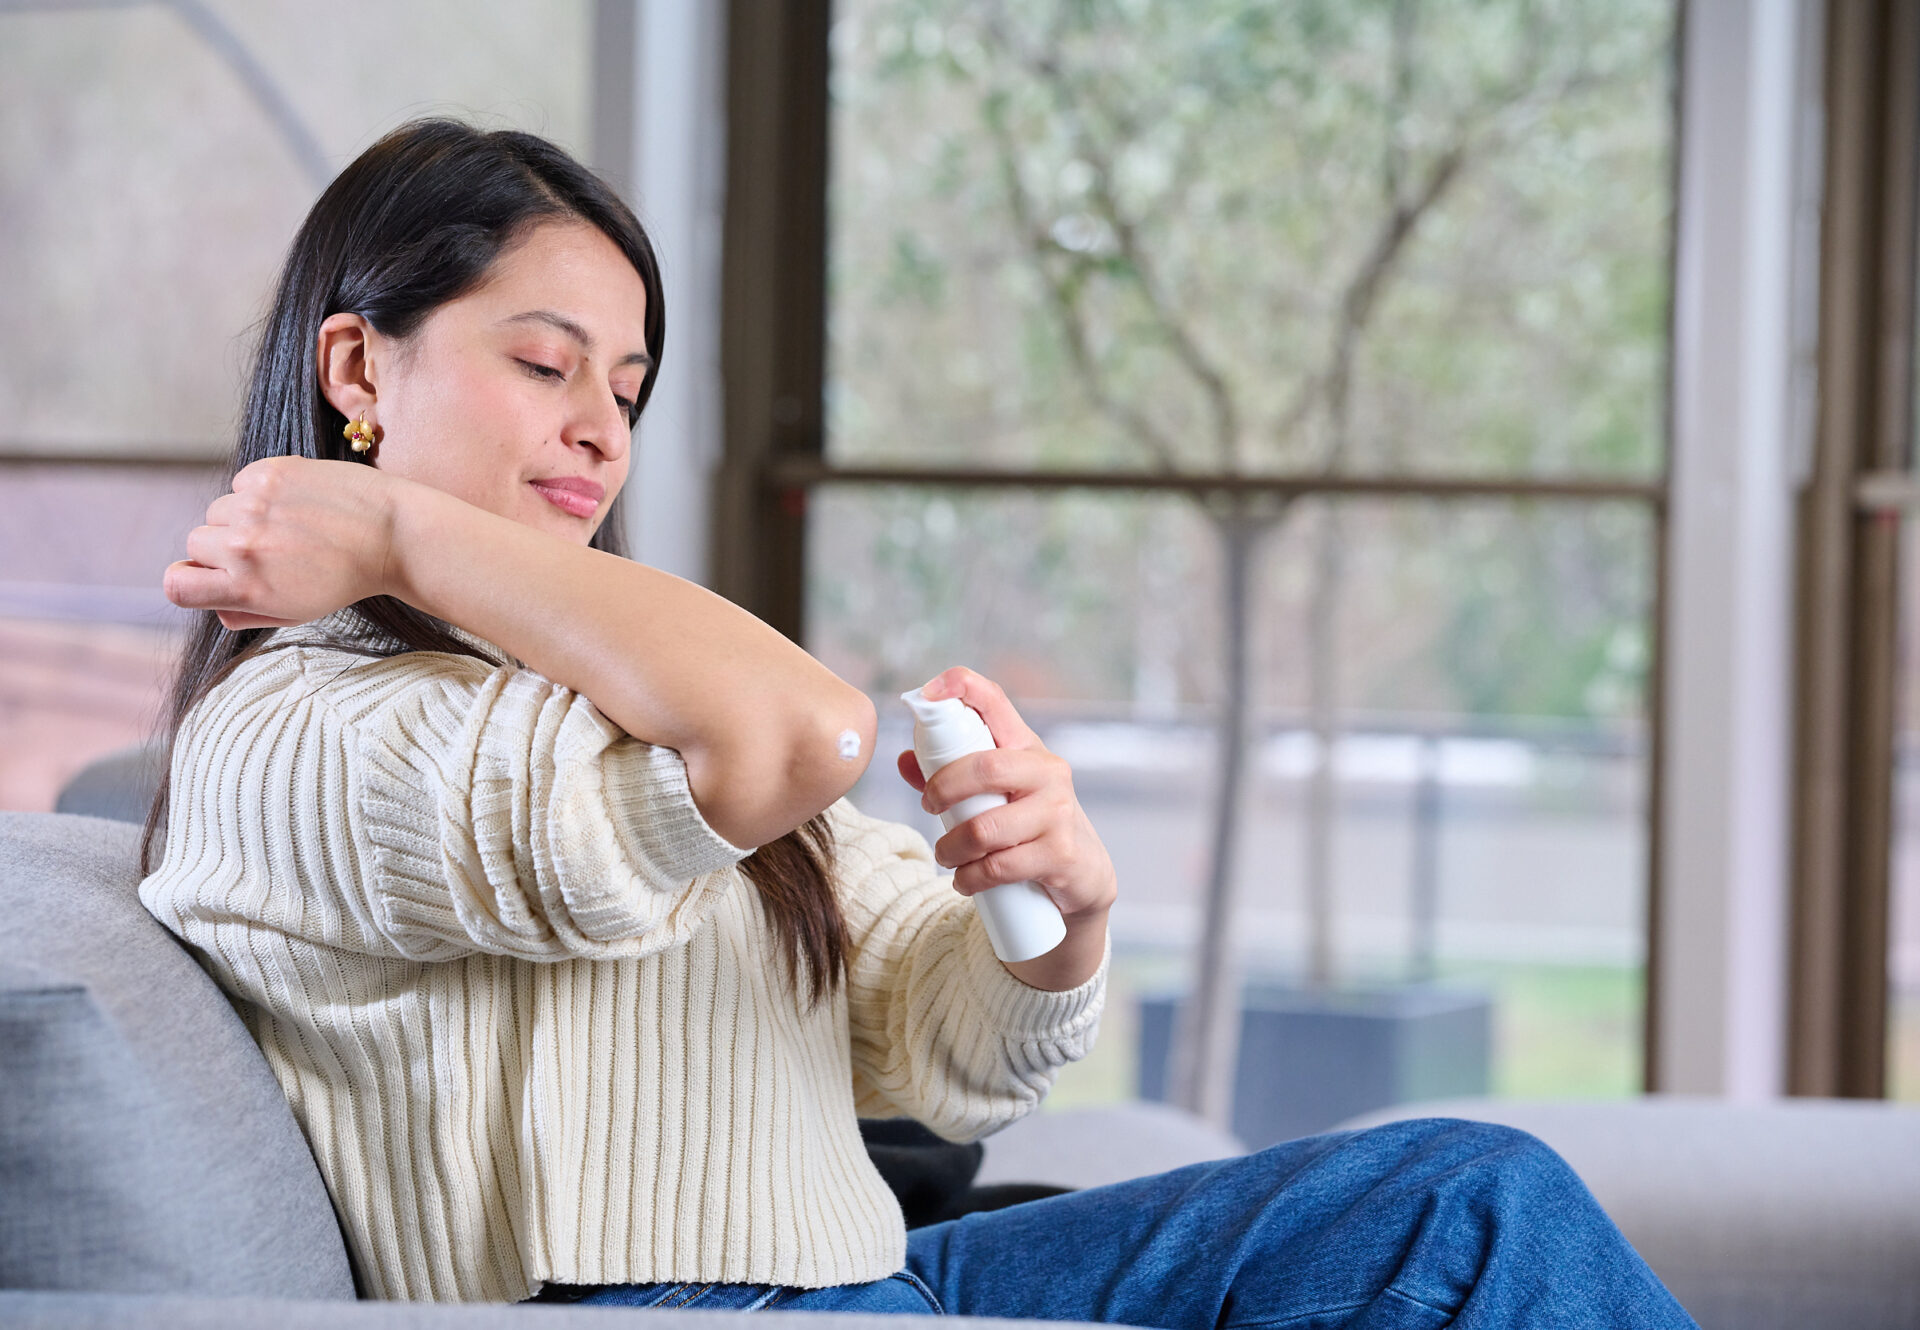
{"type": "Point", "coordinates": [540, 371]}
{"type": "Point", "coordinates": [631, 407]}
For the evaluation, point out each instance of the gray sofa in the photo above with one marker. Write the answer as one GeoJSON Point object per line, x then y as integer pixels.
{"type": "Point", "coordinates": [151, 1172]}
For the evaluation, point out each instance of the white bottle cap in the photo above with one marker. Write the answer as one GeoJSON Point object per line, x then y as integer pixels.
{"type": "Point", "coordinates": [949, 728]}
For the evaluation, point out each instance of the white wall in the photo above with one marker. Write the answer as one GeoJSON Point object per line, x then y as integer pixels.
{"type": "Point", "coordinates": [673, 144]}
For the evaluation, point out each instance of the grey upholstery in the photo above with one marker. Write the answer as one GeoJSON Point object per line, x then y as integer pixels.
{"type": "Point", "coordinates": [119, 786]}
{"type": "Point", "coordinates": [145, 1150]}
{"type": "Point", "coordinates": [144, 1145]}
{"type": "Point", "coordinates": [53, 1311]}
{"type": "Point", "coordinates": [1801, 1214]}
{"type": "Point", "coordinates": [1091, 1147]}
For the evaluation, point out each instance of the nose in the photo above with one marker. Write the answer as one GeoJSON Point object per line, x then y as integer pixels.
{"type": "Point", "coordinates": [600, 422]}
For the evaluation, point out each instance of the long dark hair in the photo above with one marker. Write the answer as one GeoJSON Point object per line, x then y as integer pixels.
{"type": "Point", "coordinates": [416, 221]}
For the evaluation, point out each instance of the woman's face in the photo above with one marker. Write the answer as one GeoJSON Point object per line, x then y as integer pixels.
{"type": "Point", "coordinates": [518, 396]}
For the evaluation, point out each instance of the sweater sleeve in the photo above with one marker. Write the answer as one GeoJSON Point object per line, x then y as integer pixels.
{"type": "Point", "coordinates": [505, 814]}
{"type": "Point", "coordinates": [942, 1032]}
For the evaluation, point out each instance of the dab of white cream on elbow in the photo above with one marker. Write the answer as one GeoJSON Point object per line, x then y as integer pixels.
{"type": "Point", "coordinates": [849, 744]}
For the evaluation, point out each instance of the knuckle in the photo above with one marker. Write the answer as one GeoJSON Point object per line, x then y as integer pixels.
{"type": "Point", "coordinates": [985, 830]}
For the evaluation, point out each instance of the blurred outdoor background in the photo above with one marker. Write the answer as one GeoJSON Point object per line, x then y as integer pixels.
{"type": "Point", "coordinates": [1424, 242]}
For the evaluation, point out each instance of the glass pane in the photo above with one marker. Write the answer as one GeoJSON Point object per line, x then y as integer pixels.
{"type": "Point", "coordinates": [1484, 695]}
{"type": "Point", "coordinates": [158, 161]}
{"type": "Point", "coordinates": [1903, 956]}
{"type": "Point", "coordinates": [87, 640]}
{"type": "Point", "coordinates": [70, 693]}
{"type": "Point", "coordinates": [1077, 606]}
{"type": "Point", "coordinates": [159, 158]}
{"type": "Point", "coordinates": [1486, 692]}
{"type": "Point", "coordinates": [1235, 234]}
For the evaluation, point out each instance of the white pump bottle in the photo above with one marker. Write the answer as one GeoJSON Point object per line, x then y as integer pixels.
{"type": "Point", "coordinates": [1022, 921]}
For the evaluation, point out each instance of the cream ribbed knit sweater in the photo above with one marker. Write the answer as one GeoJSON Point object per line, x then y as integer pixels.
{"type": "Point", "coordinates": [525, 1006]}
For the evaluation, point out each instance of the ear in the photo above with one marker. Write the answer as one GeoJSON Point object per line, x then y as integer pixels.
{"type": "Point", "coordinates": [345, 361]}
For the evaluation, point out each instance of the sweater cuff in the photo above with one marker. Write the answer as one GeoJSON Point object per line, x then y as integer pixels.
{"type": "Point", "coordinates": [1021, 1011]}
{"type": "Point", "coordinates": [650, 789]}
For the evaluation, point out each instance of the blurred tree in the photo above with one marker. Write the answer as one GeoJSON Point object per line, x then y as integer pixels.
{"type": "Point", "coordinates": [1233, 235]}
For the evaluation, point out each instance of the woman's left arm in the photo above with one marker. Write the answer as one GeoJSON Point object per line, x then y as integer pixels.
{"type": "Point", "coordinates": [761, 725]}
{"type": "Point", "coordinates": [1040, 835]}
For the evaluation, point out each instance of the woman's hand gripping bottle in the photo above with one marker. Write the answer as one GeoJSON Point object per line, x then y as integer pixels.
{"type": "Point", "coordinates": [1021, 919]}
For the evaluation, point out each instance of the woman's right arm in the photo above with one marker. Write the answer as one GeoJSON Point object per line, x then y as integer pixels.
{"type": "Point", "coordinates": [756, 719]}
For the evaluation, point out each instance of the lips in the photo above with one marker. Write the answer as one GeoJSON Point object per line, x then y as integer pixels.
{"type": "Point", "coordinates": [574, 495]}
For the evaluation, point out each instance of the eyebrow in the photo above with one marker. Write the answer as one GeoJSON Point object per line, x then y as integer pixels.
{"type": "Point", "coordinates": [572, 329]}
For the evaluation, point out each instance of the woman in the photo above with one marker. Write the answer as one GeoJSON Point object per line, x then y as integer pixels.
{"type": "Point", "coordinates": [581, 999]}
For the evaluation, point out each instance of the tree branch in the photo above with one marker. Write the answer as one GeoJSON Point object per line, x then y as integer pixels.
{"type": "Point", "coordinates": [1047, 69]}
{"type": "Point", "coordinates": [1063, 298]}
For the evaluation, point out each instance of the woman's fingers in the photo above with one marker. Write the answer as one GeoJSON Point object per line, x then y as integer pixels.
{"type": "Point", "coordinates": [1040, 835]}
{"type": "Point", "coordinates": [998, 829]}
{"type": "Point", "coordinates": [1014, 772]}
{"type": "Point", "coordinates": [1040, 862]}
{"type": "Point", "coordinates": [194, 586]}
{"type": "Point", "coordinates": [986, 697]}
{"type": "Point", "coordinates": [232, 509]}
{"type": "Point", "coordinates": [211, 547]}
{"type": "Point", "coordinates": [294, 539]}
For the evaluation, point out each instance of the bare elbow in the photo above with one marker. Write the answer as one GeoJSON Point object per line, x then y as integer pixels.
{"type": "Point", "coordinates": [757, 796]}
{"type": "Point", "coordinates": [853, 744]}
{"type": "Point", "coordinates": [831, 751]}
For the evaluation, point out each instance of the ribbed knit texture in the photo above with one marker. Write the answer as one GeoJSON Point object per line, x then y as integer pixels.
{"type": "Point", "coordinates": [529, 1012]}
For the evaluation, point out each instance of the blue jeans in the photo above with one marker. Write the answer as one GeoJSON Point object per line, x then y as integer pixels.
{"type": "Point", "coordinates": [1428, 1223]}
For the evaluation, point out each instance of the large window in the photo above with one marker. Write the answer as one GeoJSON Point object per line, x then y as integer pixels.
{"type": "Point", "coordinates": [1294, 371]}
{"type": "Point", "coordinates": [157, 162]}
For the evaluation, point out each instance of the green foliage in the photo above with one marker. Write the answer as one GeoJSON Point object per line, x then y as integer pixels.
{"type": "Point", "coordinates": [1359, 234]}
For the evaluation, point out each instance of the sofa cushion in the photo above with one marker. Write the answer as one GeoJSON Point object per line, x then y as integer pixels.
{"type": "Point", "coordinates": [1761, 1216]}
{"type": "Point", "coordinates": [1092, 1147]}
{"type": "Point", "coordinates": [144, 1144]}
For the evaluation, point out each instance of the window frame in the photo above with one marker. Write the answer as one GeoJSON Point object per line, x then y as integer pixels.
{"type": "Point", "coordinates": [773, 338]}
{"type": "Point", "coordinates": [1848, 588]}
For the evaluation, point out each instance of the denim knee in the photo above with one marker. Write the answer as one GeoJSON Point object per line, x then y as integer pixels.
{"type": "Point", "coordinates": [1504, 1147]}
{"type": "Point", "coordinates": [1518, 1158]}
{"type": "Point", "coordinates": [1494, 1170]}
{"type": "Point", "coordinates": [1502, 1173]}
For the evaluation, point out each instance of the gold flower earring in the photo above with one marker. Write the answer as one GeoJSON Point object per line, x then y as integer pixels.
{"type": "Point", "coordinates": [359, 433]}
